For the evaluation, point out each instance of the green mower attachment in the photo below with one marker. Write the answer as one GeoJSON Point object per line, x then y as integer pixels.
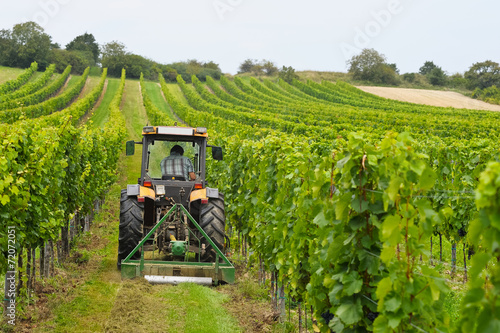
{"type": "Point", "coordinates": [174, 272]}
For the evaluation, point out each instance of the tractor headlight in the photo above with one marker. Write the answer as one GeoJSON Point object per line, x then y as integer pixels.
{"type": "Point", "coordinates": [201, 130]}
{"type": "Point", "coordinates": [160, 189]}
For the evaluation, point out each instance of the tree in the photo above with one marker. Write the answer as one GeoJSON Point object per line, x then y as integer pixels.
{"type": "Point", "coordinates": [212, 65]}
{"type": "Point", "coordinates": [427, 68]}
{"type": "Point", "coordinates": [7, 53]}
{"type": "Point", "coordinates": [394, 67]}
{"type": "Point", "coordinates": [191, 67]}
{"type": "Point", "coordinates": [63, 58]}
{"type": "Point", "coordinates": [410, 77]}
{"type": "Point", "coordinates": [437, 77]}
{"type": "Point", "coordinates": [29, 43]}
{"type": "Point", "coordinates": [287, 74]}
{"type": "Point", "coordinates": [372, 66]}
{"type": "Point", "coordinates": [457, 80]}
{"type": "Point", "coordinates": [85, 42]}
{"type": "Point", "coordinates": [136, 64]}
{"type": "Point", "coordinates": [269, 67]}
{"type": "Point", "coordinates": [194, 67]}
{"type": "Point", "coordinates": [170, 73]}
{"type": "Point", "coordinates": [114, 57]}
{"type": "Point", "coordinates": [247, 66]}
{"type": "Point", "coordinates": [264, 66]}
{"type": "Point", "coordinates": [483, 75]}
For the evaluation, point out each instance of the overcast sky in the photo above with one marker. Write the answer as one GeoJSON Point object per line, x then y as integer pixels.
{"type": "Point", "coordinates": [307, 35]}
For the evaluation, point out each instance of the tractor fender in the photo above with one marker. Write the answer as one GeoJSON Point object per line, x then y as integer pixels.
{"type": "Point", "coordinates": [204, 193]}
{"type": "Point", "coordinates": [141, 191]}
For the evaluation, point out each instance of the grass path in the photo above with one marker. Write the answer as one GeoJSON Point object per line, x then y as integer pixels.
{"type": "Point", "coordinates": [9, 73]}
{"type": "Point", "coordinates": [101, 113]}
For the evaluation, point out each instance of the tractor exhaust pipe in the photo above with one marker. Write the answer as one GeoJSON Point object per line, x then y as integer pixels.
{"type": "Point", "coordinates": [157, 279]}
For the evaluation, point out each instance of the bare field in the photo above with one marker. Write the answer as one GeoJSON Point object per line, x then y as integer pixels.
{"type": "Point", "coordinates": [431, 97]}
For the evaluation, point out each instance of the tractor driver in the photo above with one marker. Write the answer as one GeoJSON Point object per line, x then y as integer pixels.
{"type": "Point", "coordinates": [178, 165]}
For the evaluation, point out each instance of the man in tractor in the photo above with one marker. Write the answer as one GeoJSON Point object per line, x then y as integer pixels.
{"type": "Point", "coordinates": [177, 165]}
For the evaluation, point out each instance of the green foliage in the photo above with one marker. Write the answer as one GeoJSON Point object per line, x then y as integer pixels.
{"type": "Point", "coordinates": [437, 77]}
{"type": "Point", "coordinates": [114, 57]}
{"type": "Point", "coordinates": [78, 60]}
{"type": "Point", "coordinates": [410, 77]}
{"type": "Point", "coordinates": [47, 106]}
{"type": "Point", "coordinates": [480, 308]}
{"type": "Point", "coordinates": [85, 43]}
{"type": "Point", "coordinates": [27, 42]}
{"type": "Point", "coordinates": [287, 74]}
{"type": "Point", "coordinates": [26, 98]}
{"type": "Point", "coordinates": [29, 88]}
{"type": "Point", "coordinates": [490, 94]}
{"type": "Point", "coordinates": [372, 66]}
{"type": "Point", "coordinates": [14, 84]}
{"type": "Point", "coordinates": [435, 74]}
{"type": "Point", "coordinates": [427, 67]}
{"type": "Point", "coordinates": [170, 74]}
{"type": "Point", "coordinates": [483, 75]}
{"type": "Point", "coordinates": [338, 204]}
{"type": "Point", "coordinates": [50, 168]}
{"type": "Point", "coordinates": [457, 80]}
{"type": "Point", "coordinates": [247, 65]}
{"type": "Point", "coordinates": [189, 68]}
{"type": "Point", "coordinates": [155, 115]}
{"type": "Point", "coordinates": [256, 67]}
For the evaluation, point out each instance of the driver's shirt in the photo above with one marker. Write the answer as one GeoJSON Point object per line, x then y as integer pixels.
{"type": "Point", "coordinates": [176, 165]}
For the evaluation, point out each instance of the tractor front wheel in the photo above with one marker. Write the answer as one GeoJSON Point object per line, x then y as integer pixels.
{"type": "Point", "coordinates": [130, 230]}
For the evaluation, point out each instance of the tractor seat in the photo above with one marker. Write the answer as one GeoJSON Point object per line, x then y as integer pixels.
{"type": "Point", "coordinates": [173, 177]}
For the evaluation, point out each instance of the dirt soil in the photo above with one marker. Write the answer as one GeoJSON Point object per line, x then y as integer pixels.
{"type": "Point", "coordinates": [431, 97]}
{"type": "Point", "coordinates": [251, 314]}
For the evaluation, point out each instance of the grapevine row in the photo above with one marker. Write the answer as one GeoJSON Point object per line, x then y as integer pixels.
{"type": "Point", "coordinates": [30, 88]}
{"type": "Point", "coordinates": [51, 168]}
{"type": "Point", "coordinates": [39, 96]}
{"type": "Point", "coordinates": [19, 81]}
{"type": "Point", "coordinates": [44, 108]}
{"type": "Point", "coordinates": [344, 226]}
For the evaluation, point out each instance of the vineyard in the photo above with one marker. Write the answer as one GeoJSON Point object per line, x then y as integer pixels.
{"type": "Point", "coordinates": [340, 194]}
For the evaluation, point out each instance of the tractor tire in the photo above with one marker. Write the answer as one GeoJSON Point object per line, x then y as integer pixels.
{"type": "Point", "coordinates": [130, 230]}
{"type": "Point", "coordinates": [212, 220]}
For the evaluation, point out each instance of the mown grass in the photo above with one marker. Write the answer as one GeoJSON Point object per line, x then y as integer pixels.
{"type": "Point", "coordinates": [155, 94]}
{"type": "Point", "coordinates": [101, 113]}
{"type": "Point", "coordinates": [176, 91]}
{"type": "Point", "coordinates": [73, 80]}
{"type": "Point", "coordinates": [9, 73]}
{"type": "Point", "coordinates": [91, 82]}
{"type": "Point", "coordinates": [201, 308]}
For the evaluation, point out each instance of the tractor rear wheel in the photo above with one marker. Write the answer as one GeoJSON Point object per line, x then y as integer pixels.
{"type": "Point", "coordinates": [212, 220]}
{"type": "Point", "coordinates": [130, 230]}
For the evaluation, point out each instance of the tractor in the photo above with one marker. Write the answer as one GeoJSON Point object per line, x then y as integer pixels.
{"type": "Point", "coordinates": [172, 225]}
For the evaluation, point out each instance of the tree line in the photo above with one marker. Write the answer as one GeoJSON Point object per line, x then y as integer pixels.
{"type": "Point", "coordinates": [28, 42]}
{"type": "Point", "coordinates": [483, 78]}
